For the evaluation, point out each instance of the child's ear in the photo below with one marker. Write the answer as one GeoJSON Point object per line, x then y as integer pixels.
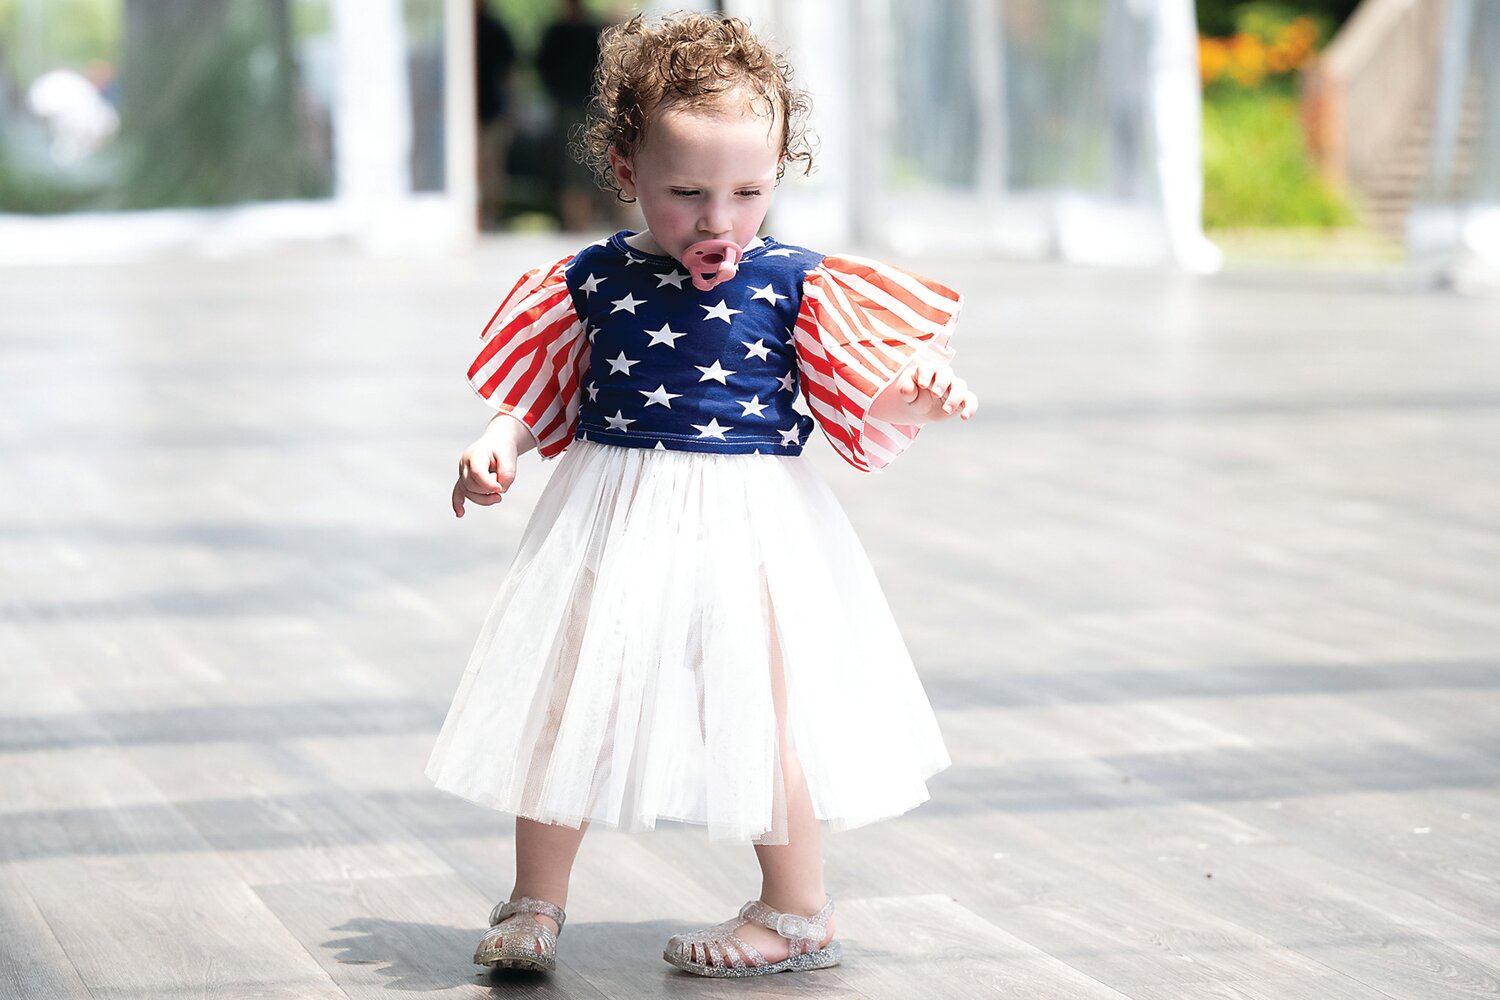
{"type": "Point", "coordinates": [624, 172]}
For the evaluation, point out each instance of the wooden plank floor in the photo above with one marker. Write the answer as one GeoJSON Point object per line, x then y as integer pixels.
{"type": "Point", "coordinates": [1208, 604]}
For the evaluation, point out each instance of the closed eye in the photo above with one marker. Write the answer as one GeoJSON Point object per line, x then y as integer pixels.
{"type": "Point", "coordinates": [685, 192]}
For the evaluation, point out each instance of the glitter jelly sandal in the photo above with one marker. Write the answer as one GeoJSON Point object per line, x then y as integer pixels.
{"type": "Point", "coordinates": [526, 943]}
{"type": "Point", "coordinates": [717, 951]}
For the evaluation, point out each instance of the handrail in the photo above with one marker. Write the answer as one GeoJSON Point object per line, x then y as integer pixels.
{"type": "Point", "coordinates": [1370, 87]}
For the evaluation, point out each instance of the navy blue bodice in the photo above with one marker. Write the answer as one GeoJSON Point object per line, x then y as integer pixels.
{"type": "Point", "coordinates": [672, 367]}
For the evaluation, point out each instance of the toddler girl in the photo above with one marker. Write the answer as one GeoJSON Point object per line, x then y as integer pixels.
{"type": "Point", "coordinates": [690, 629]}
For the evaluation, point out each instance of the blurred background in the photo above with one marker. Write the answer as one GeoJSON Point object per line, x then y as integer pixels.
{"type": "Point", "coordinates": [1102, 131]}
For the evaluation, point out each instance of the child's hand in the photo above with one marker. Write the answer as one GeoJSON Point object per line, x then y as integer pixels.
{"type": "Point", "coordinates": [934, 393]}
{"type": "Point", "coordinates": [488, 466]}
{"type": "Point", "coordinates": [485, 471]}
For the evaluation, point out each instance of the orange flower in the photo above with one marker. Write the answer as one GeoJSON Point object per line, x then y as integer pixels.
{"type": "Point", "coordinates": [1298, 40]}
{"type": "Point", "coordinates": [1213, 59]}
{"type": "Point", "coordinates": [1247, 60]}
{"type": "Point", "coordinates": [1303, 28]}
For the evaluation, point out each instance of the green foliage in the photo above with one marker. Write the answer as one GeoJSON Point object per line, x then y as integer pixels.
{"type": "Point", "coordinates": [1220, 18]}
{"type": "Point", "coordinates": [1263, 20]}
{"type": "Point", "coordinates": [527, 19]}
{"type": "Point", "coordinates": [312, 18]}
{"type": "Point", "coordinates": [1267, 21]}
{"type": "Point", "coordinates": [209, 112]}
{"type": "Point", "coordinates": [42, 194]}
{"type": "Point", "coordinates": [1255, 169]}
{"type": "Point", "coordinates": [216, 124]}
{"type": "Point", "coordinates": [36, 35]}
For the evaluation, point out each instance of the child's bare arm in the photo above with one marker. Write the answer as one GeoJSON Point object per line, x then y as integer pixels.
{"type": "Point", "coordinates": [488, 466]}
{"type": "Point", "coordinates": [925, 392]}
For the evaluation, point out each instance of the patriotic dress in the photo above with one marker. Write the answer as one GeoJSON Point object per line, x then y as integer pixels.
{"type": "Point", "coordinates": [687, 589]}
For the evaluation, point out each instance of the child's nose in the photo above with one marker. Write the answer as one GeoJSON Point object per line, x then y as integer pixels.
{"type": "Point", "coordinates": [715, 220]}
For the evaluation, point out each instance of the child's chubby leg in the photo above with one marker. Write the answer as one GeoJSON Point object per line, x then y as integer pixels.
{"type": "Point", "coordinates": [791, 873]}
{"type": "Point", "coordinates": [544, 864]}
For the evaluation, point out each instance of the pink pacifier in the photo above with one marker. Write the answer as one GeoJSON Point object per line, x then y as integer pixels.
{"type": "Point", "coordinates": [711, 262]}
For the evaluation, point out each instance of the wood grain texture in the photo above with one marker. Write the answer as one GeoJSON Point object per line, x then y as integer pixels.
{"type": "Point", "coordinates": [34, 964]}
{"type": "Point", "coordinates": [411, 936]}
{"type": "Point", "coordinates": [1205, 600]}
{"type": "Point", "coordinates": [895, 942]}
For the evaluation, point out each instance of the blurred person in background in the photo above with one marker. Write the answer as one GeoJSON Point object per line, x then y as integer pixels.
{"type": "Point", "coordinates": [494, 60]}
{"type": "Point", "coordinates": [78, 117]}
{"type": "Point", "coordinates": [565, 63]}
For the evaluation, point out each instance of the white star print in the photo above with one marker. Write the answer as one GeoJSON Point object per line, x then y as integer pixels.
{"type": "Point", "coordinates": [766, 293]}
{"type": "Point", "coordinates": [590, 331]}
{"type": "Point", "coordinates": [664, 336]}
{"type": "Point", "coordinates": [628, 303]}
{"type": "Point", "coordinates": [720, 311]}
{"type": "Point", "coordinates": [793, 436]}
{"type": "Point", "coordinates": [714, 372]}
{"type": "Point", "coordinates": [631, 258]}
{"type": "Point", "coordinates": [659, 395]}
{"type": "Point", "coordinates": [781, 252]}
{"type": "Point", "coordinates": [675, 279]}
{"type": "Point", "coordinates": [660, 446]}
{"type": "Point", "coordinates": [594, 389]}
{"type": "Point", "coordinates": [592, 285]}
{"type": "Point", "coordinates": [619, 421]}
{"type": "Point", "coordinates": [602, 243]}
{"type": "Point", "coordinates": [753, 407]}
{"type": "Point", "coordinates": [757, 349]}
{"type": "Point", "coordinates": [620, 364]}
{"type": "Point", "coordinates": [712, 429]}
{"type": "Point", "coordinates": [786, 382]}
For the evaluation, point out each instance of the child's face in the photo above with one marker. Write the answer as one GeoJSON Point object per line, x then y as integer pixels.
{"type": "Point", "coordinates": [702, 175]}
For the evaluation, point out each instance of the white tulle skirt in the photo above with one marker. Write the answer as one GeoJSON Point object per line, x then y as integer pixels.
{"type": "Point", "coordinates": [665, 610]}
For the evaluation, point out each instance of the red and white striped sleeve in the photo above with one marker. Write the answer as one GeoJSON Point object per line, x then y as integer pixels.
{"type": "Point", "coordinates": [862, 322]}
{"type": "Point", "coordinates": [535, 354]}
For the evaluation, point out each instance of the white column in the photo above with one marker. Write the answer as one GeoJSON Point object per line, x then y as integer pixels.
{"type": "Point", "coordinates": [1177, 109]}
{"type": "Point", "coordinates": [371, 120]}
{"type": "Point", "coordinates": [461, 117]}
{"type": "Point", "coordinates": [1453, 231]}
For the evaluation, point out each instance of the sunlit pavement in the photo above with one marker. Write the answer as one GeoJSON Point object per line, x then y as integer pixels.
{"type": "Point", "coordinates": [1207, 598]}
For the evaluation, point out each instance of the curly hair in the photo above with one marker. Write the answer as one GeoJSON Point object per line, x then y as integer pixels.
{"type": "Point", "coordinates": [686, 60]}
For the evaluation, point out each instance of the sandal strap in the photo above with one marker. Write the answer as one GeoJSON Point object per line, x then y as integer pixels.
{"type": "Point", "coordinates": [526, 904]}
{"type": "Point", "coordinates": [811, 929]}
{"type": "Point", "coordinates": [720, 946]}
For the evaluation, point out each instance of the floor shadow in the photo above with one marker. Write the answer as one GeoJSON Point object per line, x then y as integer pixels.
{"type": "Point", "coordinates": [427, 958]}
{"type": "Point", "coordinates": [412, 956]}
{"type": "Point", "coordinates": [962, 686]}
{"type": "Point", "coordinates": [1204, 776]}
